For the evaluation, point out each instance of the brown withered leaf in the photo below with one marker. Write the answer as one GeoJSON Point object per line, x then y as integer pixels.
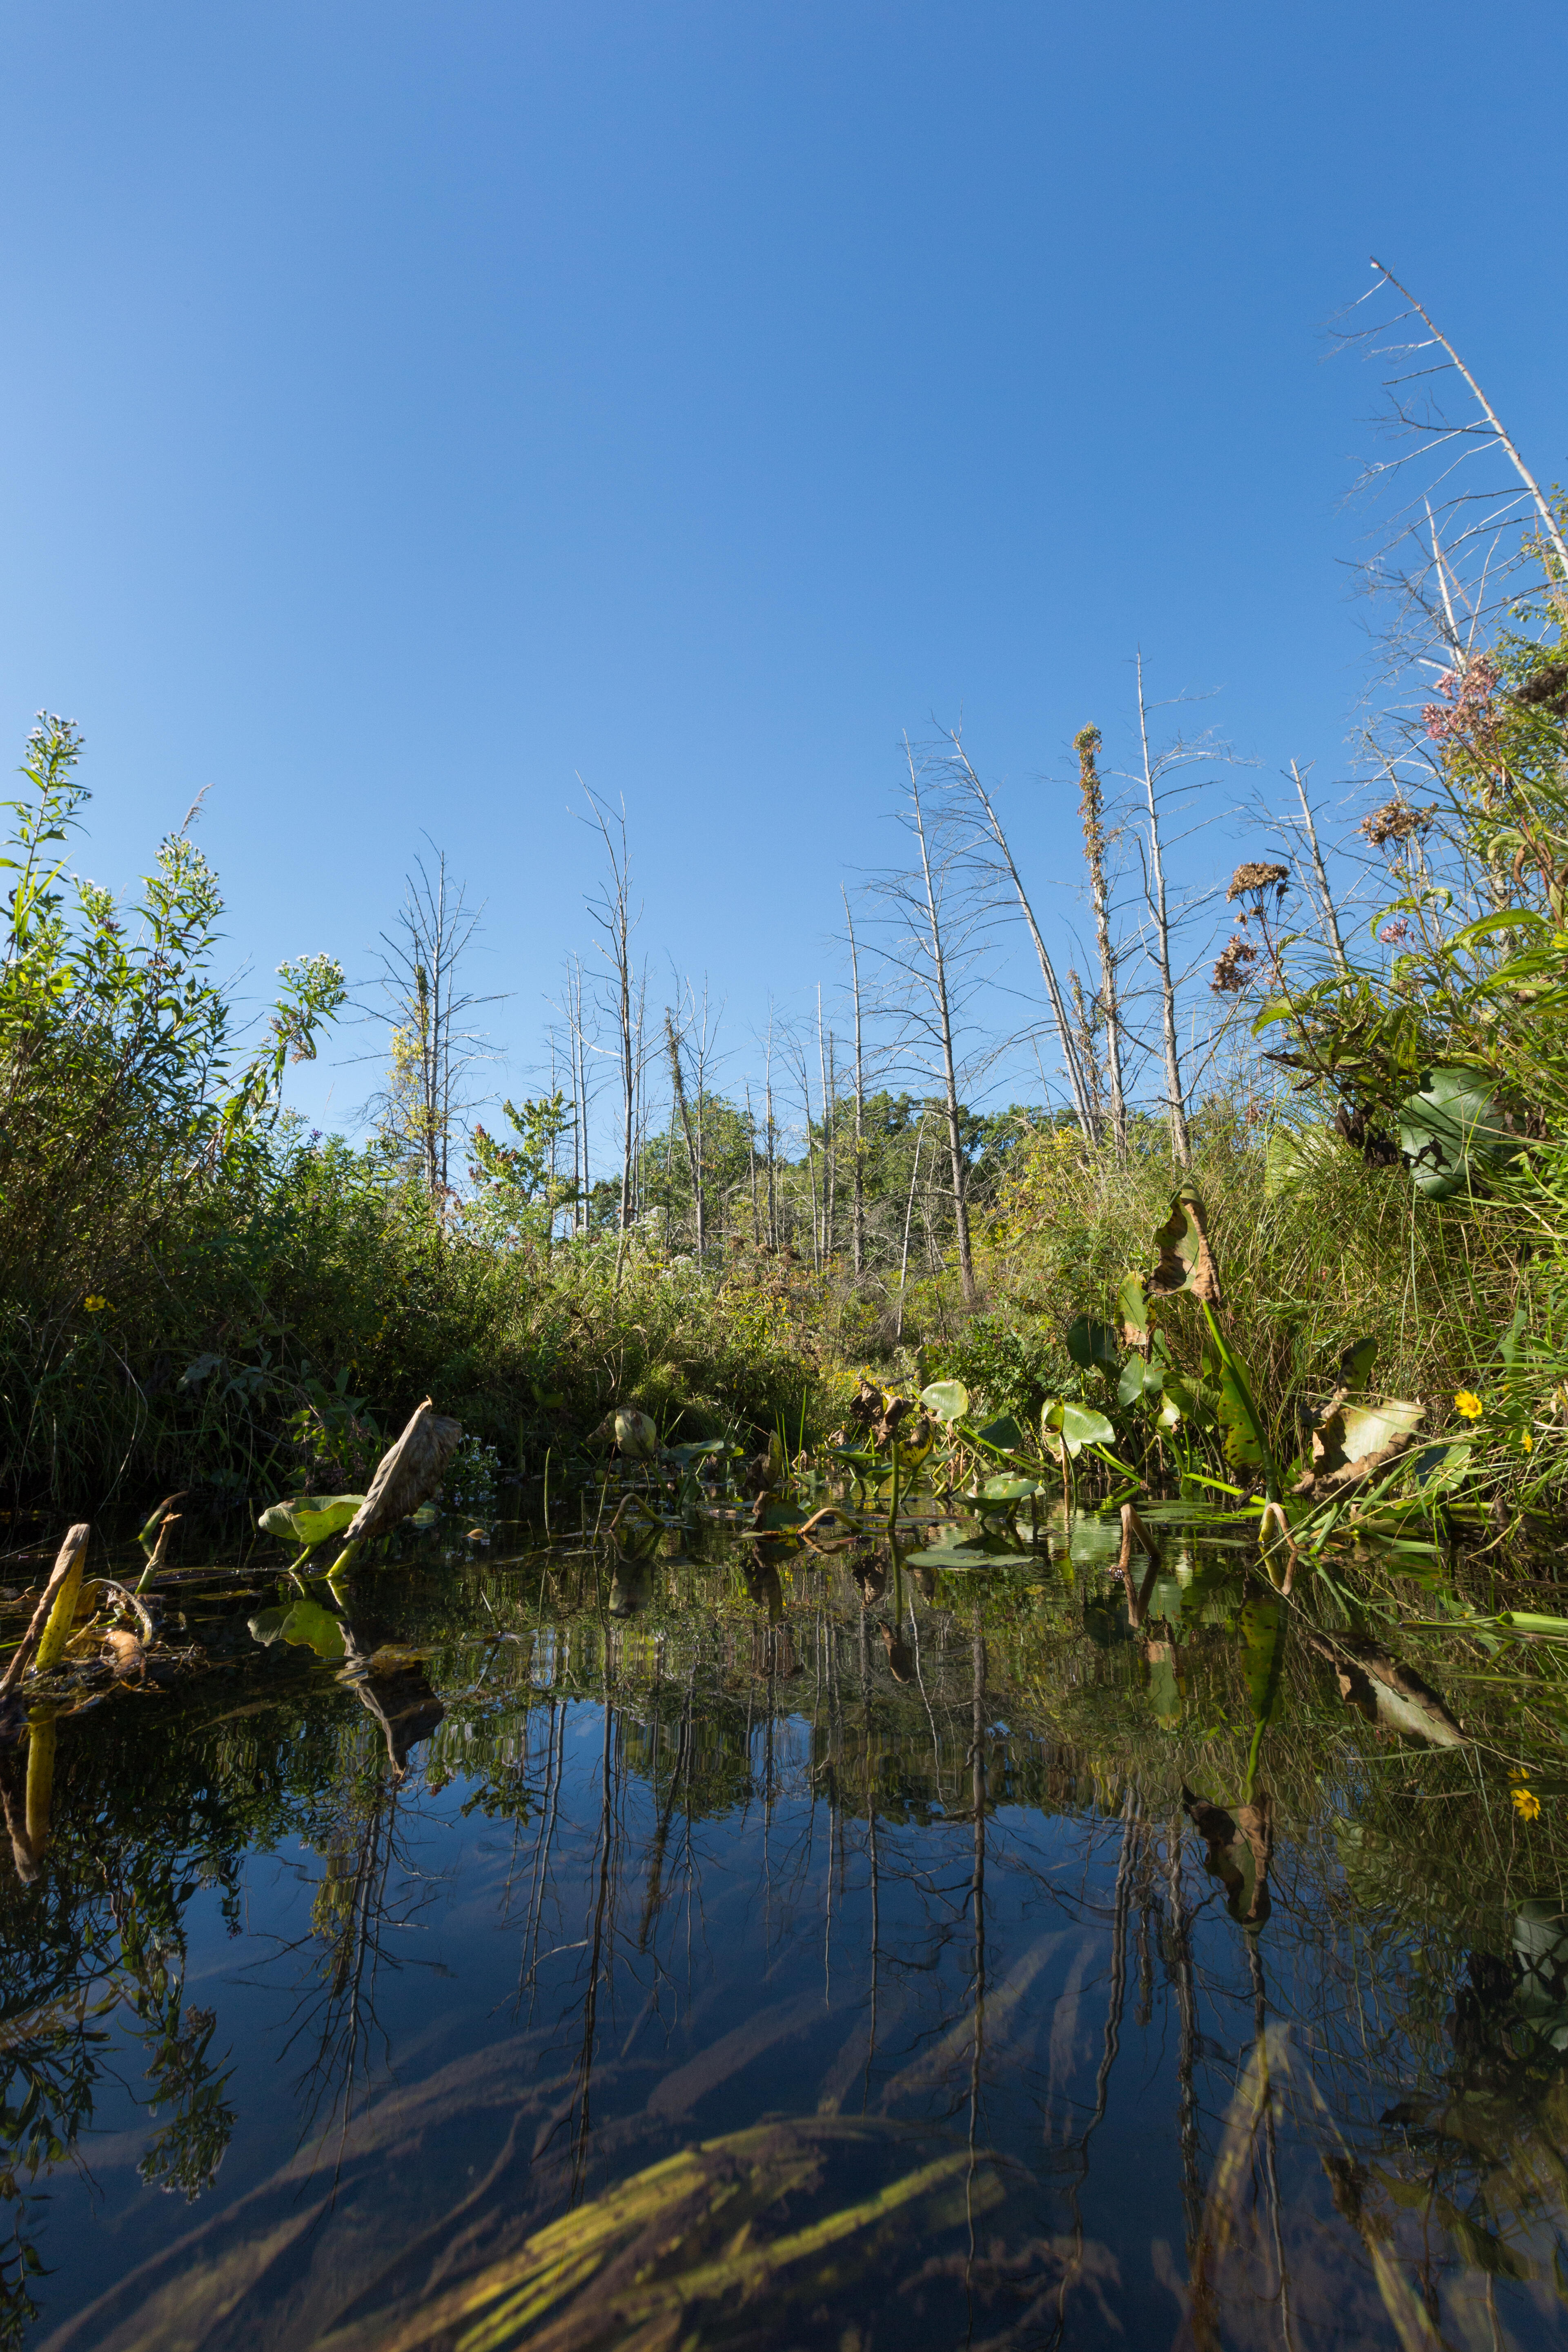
{"type": "Point", "coordinates": [1185, 1261]}
{"type": "Point", "coordinates": [124, 1653]}
{"type": "Point", "coordinates": [408, 1474]}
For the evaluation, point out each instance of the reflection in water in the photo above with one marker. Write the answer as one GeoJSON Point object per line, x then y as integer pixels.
{"type": "Point", "coordinates": [787, 1949]}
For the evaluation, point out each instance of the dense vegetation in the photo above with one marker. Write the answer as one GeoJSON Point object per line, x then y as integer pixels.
{"type": "Point", "coordinates": [196, 1289]}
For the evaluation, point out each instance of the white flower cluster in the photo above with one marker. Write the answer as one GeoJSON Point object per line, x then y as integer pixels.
{"type": "Point", "coordinates": [471, 1480]}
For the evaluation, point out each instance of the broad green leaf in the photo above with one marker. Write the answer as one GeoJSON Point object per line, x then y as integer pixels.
{"type": "Point", "coordinates": [1451, 1133]}
{"type": "Point", "coordinates": [635, 1433]}
{"type": "Point", "coordinates": [1132, 1305]}
{"type": "Point", "coordinates": [1263, 1630]}
{"type": "Point", "coordinates": [1440, 1464]}
{"type": "Point", "coordinates": [1245, 1442]}
{"type": "Point", "coordinates": [1355, 1364]}
{"type": "Point", "coordinates": [1093, 1344]}
{"type": "Point", "coordinates": [974, 1552]}
{"type": "Point", "coordinates": [1188, 1398]}
{"type": "Point", "coordinates": [309, 1518]}
{"type": "Point", "coordinates": [1008, 1490]}
{"type": "Point", "coordinates": [946, 1400]}
{"type": "Point", "coordinates": [1078, 1426]}
{"type": "Point", "coordinates": [310, 1626]}
{"type": "Point", "coordinates": [1003, 1434]}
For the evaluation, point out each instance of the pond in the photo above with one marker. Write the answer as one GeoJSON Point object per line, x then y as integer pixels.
{"type": "Point", "coordinates": [760, 1945]}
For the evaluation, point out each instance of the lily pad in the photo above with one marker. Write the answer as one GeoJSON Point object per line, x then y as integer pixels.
{"type": "Point", "coordinates": [946, 1400]}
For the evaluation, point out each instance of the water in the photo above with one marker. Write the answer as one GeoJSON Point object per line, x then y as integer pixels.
{"type": "Point", "coordinates": [823, 1953]}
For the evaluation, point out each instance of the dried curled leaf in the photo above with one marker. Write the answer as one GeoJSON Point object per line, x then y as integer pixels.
{"type": "Point", "coordinates": [1185, 1261]}
{"type": "Point", "coordinates": [409, 1474]}
{"type": "Point", "coordinates": [124, 1653]}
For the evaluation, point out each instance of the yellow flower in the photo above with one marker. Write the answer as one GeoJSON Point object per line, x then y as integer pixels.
{"type": "Point", "coordinates": [1469, 1404]}
{"type": "Point", "coordinates": [1526, 1439]}
{"type": "Point", "coordinates": [95, 1306]}
{"type": "Point", "coordinates": [1527, 1804]}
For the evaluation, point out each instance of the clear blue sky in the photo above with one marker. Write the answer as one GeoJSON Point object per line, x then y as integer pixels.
{"type": "Point", "coordinates": [404, 407]}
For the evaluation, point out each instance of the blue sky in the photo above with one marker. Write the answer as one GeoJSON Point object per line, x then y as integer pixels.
{"type": "Point", "coordinates": [405, 408]}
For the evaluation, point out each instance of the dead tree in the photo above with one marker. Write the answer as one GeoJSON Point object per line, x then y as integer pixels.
{"type": "Point", "coordinates": [1159, 916]}
{"type": "Point", "coordinates": [1083, 1103]}
{"type": "Point", "coordinates": [433, 1044]}
{"type": "Point", "coordinates": [859, 1194]}
{"type": "Point", "coordinates": [1092, 809]}
{"type": "Point", "coordinates": [612, 912]}
{"type": "Point", "coordinates": [936, 907]}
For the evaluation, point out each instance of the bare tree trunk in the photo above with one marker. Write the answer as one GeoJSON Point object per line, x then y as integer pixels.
{"type": "Point", "coordinates": [949, 1068]}
{"type": "Point", "coordinates": [420, 974]}
{"type": "Point", "coordinates": [860, 1234]}
{"type": "Point", "coordinates": [829, 1137]}
{"type": "Point", "coordinates": [1181, 1142]}
{"type": "Point", "coordinates": [1549, 522]}
{"type": "Point", "coordinates": [614, 916]}
{"type": "Point", "coordinates": [693, 1136]}
{"type": "Point", "coordinates": [752, 1167]}
{"type": "Point", "coordinates": [1092, 807]}
{"type": "Point", "coordinates": [1325, 896]}
{"type": "Point", "coordinates": [909, 1220]}
{"type": "Point", "coordinates": [1079, 1091]}
{"type": "Point", "coordinates": [768, 1082]}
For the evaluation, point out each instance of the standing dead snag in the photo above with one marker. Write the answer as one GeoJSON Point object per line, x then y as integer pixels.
{"type": "Point", "coordinates": [1181, 1142]}
{"type": "Point", "coordinates": [859, 1212]}
{"type": "Point", "coordinates": [1078, 1084]}
{"type": "Point", "coordinates": [1091, 808]}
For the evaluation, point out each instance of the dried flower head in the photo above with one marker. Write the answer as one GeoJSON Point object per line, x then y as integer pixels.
{"type": "Point", "coordinates": [1397, 821]}
{"type": "Point", "coordinates": [1233, 967]}
{"type": "Point", "coordinates": [1257, 876]}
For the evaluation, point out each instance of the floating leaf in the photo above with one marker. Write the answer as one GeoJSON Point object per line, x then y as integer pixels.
{"type": "Point", "coordinates": [1186, 1262]}
{"type": "Point", "coordinates": [947, 1400]}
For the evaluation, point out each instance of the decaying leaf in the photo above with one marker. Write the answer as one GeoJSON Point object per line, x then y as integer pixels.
{"type": "Point", "coordinates": [123, 1652]}
{"type": "Point", "coordinates": [409, 1474]}
{"type": "Point", "coordinates": [1186, 1262]}
{"type": "Point", "coordinates": [1354, 1443]}
{"type": "Point", "coordinates": [1384, 1690]}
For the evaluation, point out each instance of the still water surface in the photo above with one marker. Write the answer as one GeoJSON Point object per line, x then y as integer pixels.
{"type": "Point", "coordinates": [821, 1956]}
